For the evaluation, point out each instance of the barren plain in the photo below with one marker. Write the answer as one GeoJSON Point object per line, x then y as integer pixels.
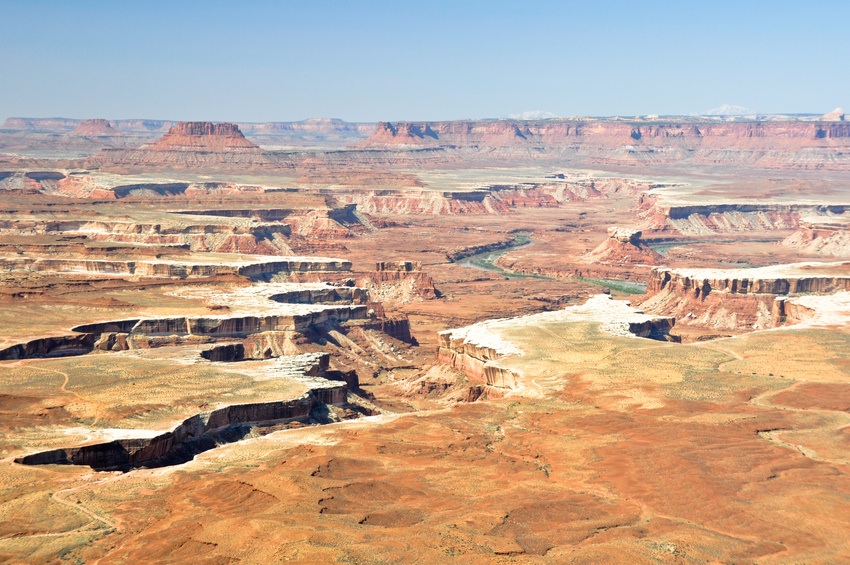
{"type": "Point", "coordinates": [553, 341]}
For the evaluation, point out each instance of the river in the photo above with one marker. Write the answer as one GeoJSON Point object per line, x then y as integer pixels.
{"type": "Point", "coordinates": [486, 261]}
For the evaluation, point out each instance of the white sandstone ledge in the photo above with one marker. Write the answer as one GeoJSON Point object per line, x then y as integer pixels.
{"type": "Point", "coordinates": [615, 317]}
{"type": "Point", "coordinates": [786, 271]}
{"type": "Point", "coordinates": [824, 310]}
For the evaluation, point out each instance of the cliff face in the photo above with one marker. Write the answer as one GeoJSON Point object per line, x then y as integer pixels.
{"type": "Point", "coordinates": [176, 269]}
{"type": "Point", "coordinates": [477, 362]}
{"type": "Point", "coordinates": [702, 282]}
{"type": "Point", "coordinates": [712, 218]}
{"type": "Point", "coordinates": [400, 282]}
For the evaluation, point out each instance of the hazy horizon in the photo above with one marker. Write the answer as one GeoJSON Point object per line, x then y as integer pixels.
{"type": "Point", "coordinates": [388, 61]}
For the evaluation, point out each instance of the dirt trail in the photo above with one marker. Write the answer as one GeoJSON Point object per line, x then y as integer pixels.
{"type": "Point", "coordinates": [100, 407]}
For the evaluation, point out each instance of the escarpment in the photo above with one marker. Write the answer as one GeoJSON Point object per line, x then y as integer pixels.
{"type": "Point", "coordinates": [739, 299]}
{"type": "Point", "coordinates": [145, 333]}
{"type": "Point", "coordinates": [188, 144]}
{"type": "Point", "coordinates": [248, 231]}
{"type": "Point", "coordinates": [205, 137]}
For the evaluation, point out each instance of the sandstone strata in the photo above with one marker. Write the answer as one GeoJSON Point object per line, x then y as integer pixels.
{"type": "Point", "coordinates": [708, 218]}
{"type": "Point", "coordinates": [188, 145]}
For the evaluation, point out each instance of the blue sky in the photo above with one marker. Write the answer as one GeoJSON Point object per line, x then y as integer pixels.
{"type": "Point", "coordinates": [370, 60]}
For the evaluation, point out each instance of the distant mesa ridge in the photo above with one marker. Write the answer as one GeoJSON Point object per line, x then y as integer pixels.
{"type": "Point", "coordinates": [613, 133]}
{"type": "Point", "coordinates": [94, 127]}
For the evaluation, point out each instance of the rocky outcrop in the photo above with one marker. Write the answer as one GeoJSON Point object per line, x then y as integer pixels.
{"type": "Point", "coordinates": [472, 250]}
{"type": "Point", "coordinates": [188, 145]}
{"type": "Point", "coordinates": [328, 295]}
{"type": "Point", "coordinates": [60, 346]}
{"type": "Point", "coordinates": [397, 327]}
{"type": "Point", "coordinates": [781, 279]}
{"type": "Point", "coordinates": [474, 361]}
{"type": "Point", "coordinates": [229, 326]}
{"type": "Point", "coordinates": [252, 238]}
{"type": "Point", "coordinates": [492, 198]}
{"type": "Point", "coordinates": [398, 266]}
{"type": "Point", "coordinates": [398, 282]}
{"type": "Point", "coordinates": [836, 115]}
{"type": "Point", "coordinates": [121, 335]}
{"type": "Point", "coordinates": [624, 246]}
{"type": "Point", "coordinates": [423, 202]}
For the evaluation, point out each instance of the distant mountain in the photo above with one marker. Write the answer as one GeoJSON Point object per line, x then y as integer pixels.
{"type": "Point", "coordinates": [728, 110]}
{"type": "Point", "coordinates": [533, 115]}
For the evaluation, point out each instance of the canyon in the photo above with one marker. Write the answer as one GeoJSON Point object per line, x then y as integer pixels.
{"type": "Point", "coordinates": [559, 340]}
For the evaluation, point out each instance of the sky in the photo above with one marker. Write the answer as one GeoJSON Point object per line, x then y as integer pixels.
{"type": "Point", "coordinates": [410, 60]}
